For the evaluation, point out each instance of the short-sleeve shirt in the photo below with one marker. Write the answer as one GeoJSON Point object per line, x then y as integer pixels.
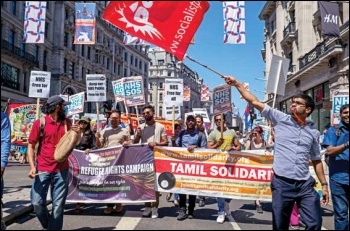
{"type": "Point", "coordinates": [188, 139]}
{"type": "Point", "coordinates": [339, 164]}
{"type": "Point", "coordinates": [228, 136]}
{"type": "Point", "coordinates": [294, 146]}
{"type": "Point", "coordinates": [52, 133]}
{"type": "Point", "coordinates": [152, 133]}
{"type": "Point", "coordinates": [111, 137]}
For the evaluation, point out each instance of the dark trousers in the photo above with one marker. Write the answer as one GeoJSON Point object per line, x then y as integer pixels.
{"type": "Point", "coordinates": [287, 191]}
{"type": "Point", "coordinates": [191, 202]}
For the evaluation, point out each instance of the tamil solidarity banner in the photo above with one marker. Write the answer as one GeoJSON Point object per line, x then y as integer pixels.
{"type": "Point", "coordinates": [113, 175]}
{"type": "Point", "coordinates": [210, 172]}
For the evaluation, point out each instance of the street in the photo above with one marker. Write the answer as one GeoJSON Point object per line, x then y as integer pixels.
{"type": "Point", "coordinates": [92, 217]}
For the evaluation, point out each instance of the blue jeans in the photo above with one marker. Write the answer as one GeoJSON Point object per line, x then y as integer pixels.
{"type": "Point", "coordinates": [59, 188]}
{"type": "Point", "coordinates": [285, 192]}
{"type": "Point", "coordinates": [340, 198]}
{"type": "Point", "coordinates": [221, 203]}
{"type": "Point", "coordinates": [176, 196]}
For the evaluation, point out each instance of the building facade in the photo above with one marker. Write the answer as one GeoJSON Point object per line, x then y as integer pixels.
{"type": "Point", "coordinates": [318, 64]}
{"type": "Point", "coordinates": [164, 65]}
{"type": "Point", "coordinates": [67, 62]}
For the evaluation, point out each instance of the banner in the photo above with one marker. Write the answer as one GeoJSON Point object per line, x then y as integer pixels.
{"type": "Point", "coordinates": [77, 104]}
{"type": "Point", "coordinates": [34, 22]}
{"type": "Point", "coordinates": [173, 92]}
{"type": "Point", "coordinates": [329, 18]}
{"type": "Point", "coordinates": [214, 173]}
{"type": "Point", "coordinates": [133, 91]}
{"type": "Point", "coordinates": [39, 85]}
{"type": "Point", "coordinates": [187, 93]}
{"type": "Point", "coordinates": [169, 25]}
{"type": "Point", "coordinates": [85, 23]}
{"type": "Point", "coordinates": [222, 99]}
{"type": "Point", "coordinates": [339, 98]}
{"type": "Point", "coordinates": [118, 90]}
{"type": "Point", "coordinates": [168, 112]}
{"type": "Point", "coordinates": [132, 40]}
{"type": "Point", "coordinates": [22, 116]}
{"type": "Point", "coordinates": [205, 93]}
{"type": "Point", "coordinates": [96, 87]}
{"type": "Point", "coordinates": [234, 22]}
{"type": "Point", "coordinates": [112, 175]}
{"type": "Point", "coordinates": [277, 75]}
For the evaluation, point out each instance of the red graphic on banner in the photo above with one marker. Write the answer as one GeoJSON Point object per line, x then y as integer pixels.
{"type": "Point", "coordinates": [169, 25]}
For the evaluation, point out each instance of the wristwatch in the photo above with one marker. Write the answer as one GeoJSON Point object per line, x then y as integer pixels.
{"type": "Point", "coordinates": [324, 184]}
{"type": "Point", "coordinates": [346, 145]}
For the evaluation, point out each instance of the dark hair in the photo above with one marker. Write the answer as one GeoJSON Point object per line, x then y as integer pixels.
{"type": "Point", "coordinates": [223, 116]}
{"type": "Point", "coordinates": [47, 109]}
{"type": "Point", "coordinates": [115, 111]}
{"type": "Point", "coordinates": [176, 126]}
{"type": "Point", "coordinates": [148, 107]}
{"type": "Point", "coordinates": [199, 116]}
{"type": "Point", "coordinates": [258, 129]}
{"type": "Point", "coordinates": [343, 107]}
{"type": "Point", "coordinates": [309, 102]}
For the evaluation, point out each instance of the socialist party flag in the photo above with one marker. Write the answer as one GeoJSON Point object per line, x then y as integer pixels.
{"type": "Point", "coordinates": [169, 25]}
{"type": "Point", "coordinates": [128, 39]}
{"type": "Point", "coordinates": [34, 22]}
{"type": "Point", "coordinates": [234, 22]}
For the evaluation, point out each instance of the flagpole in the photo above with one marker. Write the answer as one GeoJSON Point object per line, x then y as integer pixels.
{"type": "Point", "coordinates": [222, 76]}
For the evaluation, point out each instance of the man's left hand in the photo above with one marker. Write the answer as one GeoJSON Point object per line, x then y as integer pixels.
{"type": "Point", "coordinates": [325, 195]}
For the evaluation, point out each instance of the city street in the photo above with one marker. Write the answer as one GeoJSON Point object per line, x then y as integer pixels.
{"type": "Point", "coordinates": [17, 184]}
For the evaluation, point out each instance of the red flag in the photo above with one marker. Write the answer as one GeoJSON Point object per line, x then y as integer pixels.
{"type": "Point", "coordinates": [170, 25]}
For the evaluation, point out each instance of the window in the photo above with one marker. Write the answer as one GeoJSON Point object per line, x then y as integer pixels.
{"type": "Point", "coordinates": [161, 97]}
{"type": "Point", "coordinates": [73, 70]}
{"type": "Point", "coordinates": [161, 62]}
{"type": "Point", "coordinates": [150, 86]}
{"type": "Point", "coordinates": [140, 64]}
{"type": "Point", "coordinates": [65, 39]}
{"type": "Point", "coordinates": [160, 111]}
{"type": "Point", "coordinates": [161, 85]}
{"type": "Point", "coordinates": [125, 72]}
{"type": "Point", "coordinates": [45, 61]}
{"type": "Point", "coordinates": [23, 47]}
{"type": "Point", "coordinates": [66, 14]}
{"type": "Point", "coordinates": [73, 45]}
{"type": "Point", "coordinates": [25, 81]}
{"type": "Point", "coordinates": [13, 7]}
{"type": "Point", "coordinates": [136, 62]}
{"type": "Point", "coordinates": [119, 69]}
{"type": "Point", "coordinates": [161, 72]}
{"type": "Point", "coordinates": [169, 73]}
{"type": "Point", "coordinates": [125, 57]}
{"type": "Point", "coordinates": [65, 63]}
{"type": "Point", "coordinates": [150, 97]}
{"type": "Point", "coordinates": [36, 52]}
{"type": "Point", "coordinates": [82, 50]}
{"type": "Point", "coordinates": [12, 37]}
{"type": "Point", "coordinates": [10, 76]}
{"type": "Point", "coordinates": [131, 60]}
{"type": "Point", "coordinates": [89, 52]}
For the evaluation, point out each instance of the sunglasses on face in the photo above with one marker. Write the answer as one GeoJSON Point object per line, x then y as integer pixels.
{"type": "Point", "coordinates": [146, 112]}
{"type": "Point", "coordinates": [83, 123]}
{"type": "Point", "coordinates": [217, 120]}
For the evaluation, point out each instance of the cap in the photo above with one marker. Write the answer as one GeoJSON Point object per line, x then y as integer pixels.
{"type": "Point", "coordinates": [190, 117]}
{"type": "Point", "coordinates": [85, 119]}
{"type": "Point", "coordinates": [55, 100]}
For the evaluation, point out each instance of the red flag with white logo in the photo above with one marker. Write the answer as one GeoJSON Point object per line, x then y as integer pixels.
{"type": "Point", "coordinates": [169, 25]}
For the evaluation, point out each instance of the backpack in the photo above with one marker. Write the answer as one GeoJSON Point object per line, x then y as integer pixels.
{"type": "Point", "coordinates": [42, 126]}
{"type": "Point", "coordinates": [337, 133]}
{"type": "Point", "coordinates": [200, 137]}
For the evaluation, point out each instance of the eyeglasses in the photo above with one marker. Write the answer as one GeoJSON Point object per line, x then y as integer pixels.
{"type": "Point", "coordinates": [299, 103]}
{"type": "Point", "coordinates": [217, 120]}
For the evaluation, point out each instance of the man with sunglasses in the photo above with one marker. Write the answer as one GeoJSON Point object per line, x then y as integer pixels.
{"type": "Point", "coordinates": [153, 133]}
{"type": "Point", "coordinates": [336, 141]}
{"type": "Point", "coordinates": [228, 141]}
{"type": "Point", "coordinates": [295, 144]}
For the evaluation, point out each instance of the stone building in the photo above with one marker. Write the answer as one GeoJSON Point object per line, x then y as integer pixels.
{"type": "Point", "coordinates": [318, 64]}
{"type": "Point", "coordinates": [164, 65]}
{"type": "Point", "coordinates": [68, 63]}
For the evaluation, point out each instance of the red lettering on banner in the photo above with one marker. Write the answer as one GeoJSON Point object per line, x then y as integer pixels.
{"type": "Point", "coordinates": [237, 172]}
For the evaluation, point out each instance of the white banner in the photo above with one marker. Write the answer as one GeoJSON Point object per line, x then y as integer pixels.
{"type": "Point", "coordinates": [222, 99]}
{"type": "Point", "coordinates": [118, 90]}
{"type": "Point", "coordinates": [133, 91]}
{"type": "Point", "coordinates": [173, 90]}
{"type": "Point", "coordinates": [96, 87]}
{"type": "Point", "coordinates": [77, 104]}
{"type": "Point", "coordinates": [39, 86]}
{"type": "Point", "coordinates": [203, 112]}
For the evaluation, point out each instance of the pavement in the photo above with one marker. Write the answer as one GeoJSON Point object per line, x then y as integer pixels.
{"type": "Point", "coordinates": [16, 198]}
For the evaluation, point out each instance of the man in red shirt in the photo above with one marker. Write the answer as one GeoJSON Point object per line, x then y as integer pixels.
{"type": "Point", "coordinates": [47, 171]}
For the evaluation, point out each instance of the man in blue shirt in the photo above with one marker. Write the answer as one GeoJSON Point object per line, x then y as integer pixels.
{"type": "Point", "coordinates": [190, 138]}
{"type": "Point", "coordinates": [5, 152]}
{"type": "Point", "coordinates": [336, 141]}
{"type": "Point", "coordinates": [295, 144]}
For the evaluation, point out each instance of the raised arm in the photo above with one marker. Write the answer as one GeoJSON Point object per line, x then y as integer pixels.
{"type": "Point", "coordinates": [247, 95]}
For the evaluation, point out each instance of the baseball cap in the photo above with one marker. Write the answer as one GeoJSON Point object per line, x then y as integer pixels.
{"type": "Point", "coordinates": [55, 100]}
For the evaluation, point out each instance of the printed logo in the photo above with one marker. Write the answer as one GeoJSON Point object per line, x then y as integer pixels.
{"type": "Point", "coordinates": [139, 20]}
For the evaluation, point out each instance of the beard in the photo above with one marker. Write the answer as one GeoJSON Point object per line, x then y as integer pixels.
{"type": "Point", "coordinates": [61, 115]}
{"type": "Point", "coordinates": [149, 118]}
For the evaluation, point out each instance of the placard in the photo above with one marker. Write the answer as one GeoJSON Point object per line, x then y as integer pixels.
{"type": "Point", "coordinates": [96, 87]}
{"type": "Point", "coordinates": [39, 86]}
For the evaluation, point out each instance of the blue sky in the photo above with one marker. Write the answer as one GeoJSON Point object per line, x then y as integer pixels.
{"type": "Point", "coordinates": [244, 61]}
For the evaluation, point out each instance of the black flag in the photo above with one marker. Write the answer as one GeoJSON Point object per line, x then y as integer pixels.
{"type": "Point", "coordinates": [329, 19]}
